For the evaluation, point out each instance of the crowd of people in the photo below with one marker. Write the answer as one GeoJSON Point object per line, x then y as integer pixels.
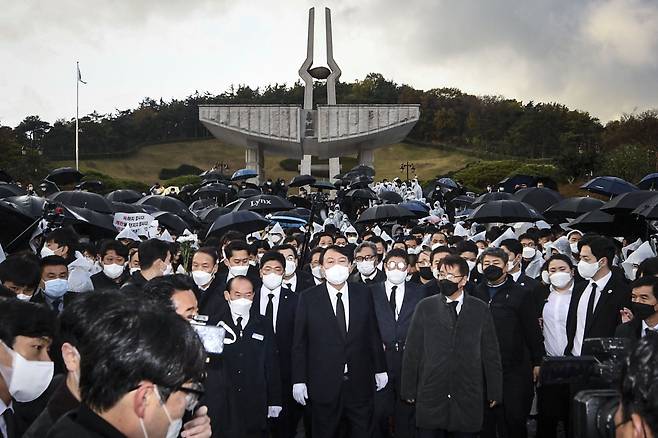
{"type": "Point", "coordinates": [428, 327]}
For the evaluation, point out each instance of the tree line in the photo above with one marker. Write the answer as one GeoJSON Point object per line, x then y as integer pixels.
{"type": "Point", "coordinates": [491, 124]}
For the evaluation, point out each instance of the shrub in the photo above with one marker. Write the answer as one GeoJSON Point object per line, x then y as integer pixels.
{"type": "Point", "coordinates": [181, 181]}
{"type": "Point", "coordinates": [110, 184]}
{"type": "Point", "coordinates": [476, 176]}
{"type": "Point", "coordinates": [183, 169]}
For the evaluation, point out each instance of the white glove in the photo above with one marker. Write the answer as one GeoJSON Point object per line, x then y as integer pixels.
{"type": "Point", "coordinates": [381, 380]}
{"type": "Point", "coordinates": [273, 411]}
{"type": "Point", "coordinates": [300, 393]}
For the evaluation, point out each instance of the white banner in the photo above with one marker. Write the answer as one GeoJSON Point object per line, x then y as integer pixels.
{"type": "Point", "coordinates": [137, 222]}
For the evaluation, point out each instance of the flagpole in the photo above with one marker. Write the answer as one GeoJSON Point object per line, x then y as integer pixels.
{"type": "Point", "coordinates": [77, 105]}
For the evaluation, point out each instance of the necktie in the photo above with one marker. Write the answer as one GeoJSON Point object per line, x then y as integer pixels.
{"type": "Point", "coordinates": [239, 326]}
{"type": "Point", "coordinates": [340, 315]}
{"type": "Point", "coordinates": [56, 304]}
{"type": "Point", "coordinates": [10, 424]}
{"type": "Point", "coordinates": [453, 308]}
{"type": "Point", "coordinates": [391, 299]}
{"type": "Point", "coordinates": [590, 308]}
{"type": "Point", "coordinates": [269, 310]}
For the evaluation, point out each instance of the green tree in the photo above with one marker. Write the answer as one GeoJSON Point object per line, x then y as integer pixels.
{"type": "Point", "coordinates": [630, 162]}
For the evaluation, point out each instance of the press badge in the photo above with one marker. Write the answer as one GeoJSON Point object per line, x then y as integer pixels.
{"type": "Point", "coordinates": [201, 318]}
{"type": "Point", "coordinates": [258, 337]}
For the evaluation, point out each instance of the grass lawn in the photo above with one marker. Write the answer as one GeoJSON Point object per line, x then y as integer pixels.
{"type": "Point", "coordinates": [145, 165]}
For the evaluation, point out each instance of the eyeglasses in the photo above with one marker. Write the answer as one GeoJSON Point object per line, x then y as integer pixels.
{"type": "Point", "coordinates": [450, 277]}
{"type": "Point", "coordinates": [367, 258]}
{"type": "Point", "coordinates": [402, 266]}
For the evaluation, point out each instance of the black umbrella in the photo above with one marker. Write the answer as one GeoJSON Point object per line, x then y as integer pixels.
{"type": "Point", "coordinates": [493, 196]}
{"type": "Point", "coordinates": [265, 204]}
{"type": "Point", "coordinates": [243, 221]}
{"type": "Point", "coordinates": [390, 197]}
{"type": "Point", "coordinates": [505, 211]}
{"type": "Point", "coordinates": [64, 175]}
{"type": "Point", "coordinates": [30, 206]}
{"type": "Point", "coordinates": [384, 212]}
{"type": "Point", "coordinates": [7, 190]}
{"type": "Point", "coordinates": [463, 200]}
{"type": "Point", "coordinates": [363, 170]}
{"type": "Point", "coordinates": [214, 190]}
{"type": "Point", "coordinates": [570, 208]}
{"type": "Point", "coordinates": [448, 183]}
{"type": "Point", "coordinates": [627, 202]}
{"type": "Point", "coordinates": [649, 182]}
{"type": "Point", "coordinates": [302, 180]}
{"type": "Point", "coordinates": [416, 207]}
{"type": "Point", "coordinates": [648, 209]}
{"type": "Point", "coordinates": [608, 186]}
{"type": "Point", "coordinates": [511, 183]}
{"type": "Point", "coordinates": [165, 203]}
{"type": "Point", "coordinates": [359, 181]}
{"type": "Point", "coordinates": [298, 201]}
{"type": "Point", "coordinates": [365, 194]}
{"type": "Point", "coordinates": [539, 197]}
{"type": "Point", "coordinates": [123, 207]}
{"type": "Point", "coordinates": [210, 214]}
{"type": "Point", "coordinates": [323, 185]}
{"type": "Point", "coordinates": [5, 177]}
{"type": "Point", "coordinates": [91, 185]}
{"type": "Point", "coordinates": [91, 222]}
{"type": "Point", "coordinates": [600, 222]}
{"type": "Point", "coordinates": [200, 205]}
{"type": "Point", "coordinates": [14, 222]}
{"type": "Point", "coordinates": [214, 175]}
{"type": "Point", "coordinates": [248, 193]}
{"type": "Point", "coordinates": [124, 195]}
{"type": "Point", "coordinates": [171, 222]}
{"type": "Point", "coordinates": [77, 198]}
{"type": "Point", "coordinates": [243, 174]}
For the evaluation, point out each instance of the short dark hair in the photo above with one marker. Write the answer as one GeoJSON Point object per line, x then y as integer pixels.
{"type": "Point", "coordinates": [21, 270]}
{"type": "Point", "coordinates": [152, 250]}
{"type": "Point", "coordinates": [648, 267]}
{"type": "Point", "coordinates": [163, 288]}
{"type": "Point", "coordinates": [258, 244]}
{"type": "Point", "coordinates": [286, 246]}
{"type": "Point", "coordinates": [113, 245]}
{"type": "Point", "coordinates": [466, 246]}
{"type": "Point", "coordinates": [23, 318]}
{"type": "Point", "coordinates": [396, 252]}
{"type": "Point", "coordinates": [408, 238]}
{"type": "Point", "coordinates": [124, 345]}
{"type": "Point", "coordinates": [229, 284]}
{"type": "Point", "coordinates": [646, 281]}
{"type": "Point", "coordinates": [53, 260]}
{"type": "Point", "coordinates": [231, 236]}
{"type": "Point", "coordinates": [235, 245]}
{"type": "Point", "coordinates": [315, 250]}
{"type": "Point", "coordinates": [565, 258]}
{"type": "Point", "coordinates": [209, 251]}
{"type": "Point", "coordinates": [439, 250]}
{"type": "Point", "coordinates": [512, 245]}
{"type": "Point", "coordinates": [494, 252]}
{"type": "Point", "coordinates": [639, 383]}
{"type": "Point", "coordinates": [601, 247]}
{"type": "Point", "coordinates": [336, 248]}
{"type": "Point", "coordinates": [528, 236]}
{"type": "Point", "coordinates": [64, 237]}
{"type": "Point", "coordinates": [455, 260]}
{"type": "Point", "coordinates": [273, 256]}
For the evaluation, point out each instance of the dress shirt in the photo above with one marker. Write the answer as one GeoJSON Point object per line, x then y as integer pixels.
{"type": "Point", "coordinates": [581, 316]}
{"type": "Point", "coordinates": [245, 319]}
{"type": "Point", "coordinates": [399, 295]}
{"type": "Point", "coordinates": [460, 301]}
{"type": "Point", "coordinates": [3, 408]}
{"type": "Point", "coordinates": [645, 326]}
{"type": "Point", "coordinates": [554, 317]}
{"type": "Point", "coordinates": [318, 281]}
{"type": "Point", "coordinates": [516, 275]}
{"type": "Point", "coordinates": [291, 282]}
{"type": "Point", "coordinates": [346, 301]}
{"type": "Point", "coordinates": [370, 277]}
{"type": "Point", "coordinates": [264, 299]}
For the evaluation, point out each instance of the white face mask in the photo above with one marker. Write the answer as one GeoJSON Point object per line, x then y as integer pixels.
{"type": "Point", "coordinates": [396, 276]}
{"type": "Point", "coordinates": [291, 267]}
{"type": "Point", "coordinates": [239, 270]}
{"type": "Point", "coordinates": [26, 379]}
{"type": "Point", "coordinates": [175, 426]}
{"type": "Point", "coordinates": [436, 245]}
{"type": "Point", "coordinates": [46, 252]}
{"type": "Point", "coordinates": [470, 264]}
{"type": "Point", "coordinates": [240, 306]}
{"type": "Point", "coordinates": [528, 252]}
{"type": "Point", "coordinates": [201, 278]}
{"type": "Point", "coordinates": [337, 274]}
{"type": "Point", "coordinates": [113, 271]}
{"type": "Point", "coordinates": [252, 262]}
{"type": "Point", "coordinates": [510, 265]}
{"type": "Point", "coordinates": [574, 247]}
{"type": "Point", "coordinates": [272, 281]}
{"type": "Point", "coordinates": [545, 277]}
{"type": "Point", "coordinates": [168, 270]}
{"type": "Point", "coordinates": [133, 270]}
{"type": "Point", "coordinates": [560, 280]}
{"type": "Point", "coordinates": [317, 272]}
{"type": "Point", "coordinates": [588, 270]}
{"type": "Point", "coordinates": [24, 297]}
{"type": "Point", "coordinates": [366, 267]}
{"type": "Point", "coordinates": [352, 240]}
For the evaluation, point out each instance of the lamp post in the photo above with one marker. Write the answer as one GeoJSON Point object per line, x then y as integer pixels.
{"type": "Point", "coordinates": [407, 166]}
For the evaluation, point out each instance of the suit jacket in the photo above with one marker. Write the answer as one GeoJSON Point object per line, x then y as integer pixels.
{"type": "Point", "coordinates": [285, 328]}
{"type": "Point", "coordinates": [304, 281]}
{"type": "Point", "coordinates": [212, 302]}
{"type": "Point", "coordinates": [446, 362]}
{"type": "Point", "coordinates": [528, 283]}
{"type": "Point", "coordinates": [356, 277]}
{"type": "Point", "coordinates": [103, 282]}
{"type": "Point", "coordinates": [517, 323]}
{"type": "Point", "coordinates": [615, 295]}
{"type": "Point", "coordinates": [319, 352]}
{"type": "Point", "coordinates": [394, 332]}
{"type": "Point", "coordinates": [631, 330]}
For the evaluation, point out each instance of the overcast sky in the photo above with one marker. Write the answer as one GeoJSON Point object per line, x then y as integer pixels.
{"type": "Point", "coordinates": [595, 55]}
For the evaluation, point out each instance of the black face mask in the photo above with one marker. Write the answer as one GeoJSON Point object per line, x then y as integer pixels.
{"type": "Point", "coordinates": [642, 311]}
{"type": "Point", "coordinates": [493, 273]}
{"type": "Point", "coordinates": [426, 273]}
{"type": "Point", "coordinates": [448, 287]}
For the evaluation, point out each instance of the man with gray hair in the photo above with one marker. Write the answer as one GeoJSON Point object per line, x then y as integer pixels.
{"type": "Point", "coordinates": [520, 341]}
{"type": "Point", "coordinates": [365, 259]}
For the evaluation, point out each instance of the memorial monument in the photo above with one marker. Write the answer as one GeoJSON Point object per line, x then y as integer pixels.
{"type": "Point", "coordinates": [325, 131]}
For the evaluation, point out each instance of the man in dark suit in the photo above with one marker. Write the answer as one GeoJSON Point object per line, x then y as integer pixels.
{"type": "Point", "coordinates": [395, 302]}
{"type": "Point", "coordinates": [451, 350]}
{"type": "Point", "coordinates": [154, 261]}
{"type": "Point", "coordinates": [596, 303]}
{"type": "Point", "coordinates": [294, 278]}
{"type": "Point", "coordinates": [514, 251]}
{"type": "Point", "coordinates": [53, 287]}
{"type": "Point", "coordinates": [113, 255]}
{"type": "Point", "coordinates": [520, 340]}
{"type": "Point", "coordinates": [365, 257]}
{"type": "Point", "coordinates": [278, 305]}
{"type": "Point", "coordinates": [337, 361]}
{"type": "Point", "coordinates": [645, 310]}
{"type": "Point", "coordinates": [250, 367]}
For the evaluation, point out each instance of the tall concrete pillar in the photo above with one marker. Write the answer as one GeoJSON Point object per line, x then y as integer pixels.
{"type": "Point", "coordinates": [255, 160]}
{"type": "Point", "coordinates": [305, 165]}
{"type": "Point", "coordinates": [334, 168]}
{"type": "Point", "coordinates": [367, 157]}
